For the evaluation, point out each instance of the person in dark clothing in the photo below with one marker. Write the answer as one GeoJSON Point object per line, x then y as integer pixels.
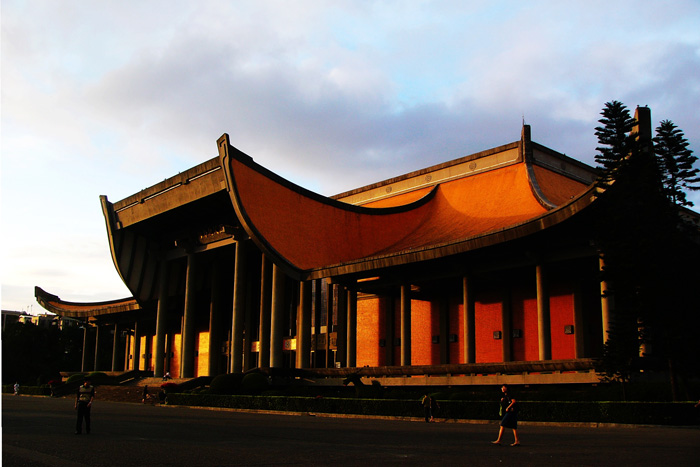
{"type": "Point", "coordinates": [83, 403]}
{"type": "Point", "coordinates": [429, 404]}
{"type": "Point", "coordinates": [509, 410]}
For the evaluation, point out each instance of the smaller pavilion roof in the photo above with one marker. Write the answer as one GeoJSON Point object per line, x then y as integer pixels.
{"type": "Point", "coordinates": [84, 310]}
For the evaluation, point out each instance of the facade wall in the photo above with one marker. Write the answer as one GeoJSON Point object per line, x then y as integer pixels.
{"type": "Point", "coordinates": [487, 313]}
{"type": "Point", "coordinates": [424, 325]}
{"type": "Point", "coordinates": [175, 349]}
{"type": "Point", "coordinates": [144, 364]}
{"type": "Point", "coordinates": [561, 311]}
{"type": "Point", "coordinates": [202, 358]}
{"type": "Point", "coordinates": [373, 343]}
{"type": "Point", "coordinates": [371, 328]}
{"type": "Point", "coordinates": [524, 306]}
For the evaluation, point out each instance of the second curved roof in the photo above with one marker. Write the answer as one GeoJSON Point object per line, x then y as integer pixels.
{"type": "Point", "coordinates": [307, 233]}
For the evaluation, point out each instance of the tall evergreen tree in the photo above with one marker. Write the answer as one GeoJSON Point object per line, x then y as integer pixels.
{"type": "Point", "coordinates": [629, 230]}
{"type": "Point", "coordinates": [676, 163]}
{"type": "Point", "coordinates": [648, 259]}
{"type": "Point", "coordinates": [614, 139]}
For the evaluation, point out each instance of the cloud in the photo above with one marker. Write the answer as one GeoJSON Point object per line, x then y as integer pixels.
{"type": "Point", "coordinates": [111, 98]}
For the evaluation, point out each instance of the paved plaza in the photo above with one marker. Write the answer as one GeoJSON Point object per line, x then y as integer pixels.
{"type": "Point", "coordinates": [39, 431]}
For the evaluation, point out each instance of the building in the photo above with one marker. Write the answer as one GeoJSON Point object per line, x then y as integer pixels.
{"type": "Point", "coordinates": [45, 320]}
{"type": "Point", "coordinates": [477, 270]}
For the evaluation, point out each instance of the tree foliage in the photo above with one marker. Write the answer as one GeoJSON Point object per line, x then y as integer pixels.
{"type": "Point", "coordinates": [614, 139]}
{"type": "Point", "coordinates": [33, 355]}
{"type": "Point", "coordinates": [650, 262]}
{"type": "Point", "coordinates": [676, 163]}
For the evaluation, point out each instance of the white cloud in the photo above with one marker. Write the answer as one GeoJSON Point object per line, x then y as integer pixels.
{"type": "Point", "coordinates": [112, 97]}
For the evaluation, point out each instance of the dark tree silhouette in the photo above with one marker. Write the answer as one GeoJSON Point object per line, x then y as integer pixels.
{"type": "Point", "coordinates": [648, 258]}
{"type": "Point", "coordinates": [676, 163]}
{"type": "Point", "coordinates": [34, 354]}
{"type": "Point", "coordinates": [614, 138]}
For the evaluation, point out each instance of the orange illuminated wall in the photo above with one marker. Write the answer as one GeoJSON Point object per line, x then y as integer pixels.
{"type": "Point", "coordinates": [175, 359]}
{"type": "Point", "coordinates": [202, 360]}
{"type": "Point", "coordinates": [371, 327]}
{"type": "Point", "coordinates": [524, 307]}
{"type": "Point", "coordinates": [424, 325]}
{"type": "Point", "coordinates": [561, 304]}
{"type": "Point", "coordinates": [143, 354]}
{"type": "Point", "coordinates": [487, 317]}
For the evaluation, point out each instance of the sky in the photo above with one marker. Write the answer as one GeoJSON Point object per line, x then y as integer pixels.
{"type": "Point", "coordinates": [111, 97]}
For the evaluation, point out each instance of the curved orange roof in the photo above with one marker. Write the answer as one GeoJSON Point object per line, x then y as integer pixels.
{"type": "Point", "coordinates": [557, 188]}
{"type": "Point", "coordinates": [303, 231]}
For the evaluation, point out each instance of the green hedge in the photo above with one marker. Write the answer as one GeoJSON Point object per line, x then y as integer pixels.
{"type": "Point", "coordinates": [654, 413]}
{"type": "Point", "coordinates": [27, 390]}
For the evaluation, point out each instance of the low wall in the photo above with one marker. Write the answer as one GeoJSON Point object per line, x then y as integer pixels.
{"type": "Point", "coordinates": [651, 413]}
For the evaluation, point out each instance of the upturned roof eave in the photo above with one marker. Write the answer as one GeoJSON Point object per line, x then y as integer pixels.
{"type": "Point", "coordinates": [228, 153]}
{"type": "Point", "coordinates": [53, 304]}
{"type": "Point", "coordinates": [463, 245]}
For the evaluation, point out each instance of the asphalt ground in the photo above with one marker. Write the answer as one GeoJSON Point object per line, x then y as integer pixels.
{"type": "Point", "coordinates": [39, 431]}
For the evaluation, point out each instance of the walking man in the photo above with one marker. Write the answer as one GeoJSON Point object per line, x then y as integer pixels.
{"type": "Point", "coordinates": [83, 403]}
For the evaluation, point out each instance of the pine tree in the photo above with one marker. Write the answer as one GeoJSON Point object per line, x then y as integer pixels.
{"type": "Point", "coordinates": [648, 258]}
{"type": "Point", "coordinates": [614, 139]}
{"type": "Point", "coordinates": [630, 232]}
{"type": "Point", "coordinates": [676, 163]}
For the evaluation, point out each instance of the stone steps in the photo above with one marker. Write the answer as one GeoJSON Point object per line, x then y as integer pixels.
{"type": "Point", "coordinates": [120, 393]}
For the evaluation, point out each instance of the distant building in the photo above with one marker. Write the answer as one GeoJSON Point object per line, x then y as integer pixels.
{"type": "Point", "coordinates": [9, 317]}
{"type": "Point", "coordinates": [44, 320]}
{"type": "Point", "coordinates": [479, 270]}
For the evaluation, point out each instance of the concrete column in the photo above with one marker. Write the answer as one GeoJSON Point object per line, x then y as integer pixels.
{"type": "Point", "coordinates": [238, 318]}
{"type": "Point", "coordinates": [97, 347]}
{"type": "Point", "coordinates": [341, 333]}
{"type": "Point", "coordinates": [127, 351]}
{"type": "Point", "coordinates": [352, 328]}
{"type": "Point", "coordinates": [168, 351]}
{"type": "Point", "coordinates": [406, 325]}
{"type": "Point", "coordinates": [606, 302]}
{"type": "Point", "coordinates": [161, 322]}
{"type": "Point", "coordinates": [277, 319]}
{"type": "Point", "coordinates": [329, 323]}
{"type": "Point", "coordinates": [507, 323]}
{"type": "Point", "coordinates": [579, 334]}
{"type": "Point", "coordinates": [265, 312]}
{"type": "Point", "coordinates": [544, 327]}
{"type": "Point", "coordinates": [182, 342]}
{"type": "Point", "coordinates": [137, 347]}
{"type": "Point", "coordinates": [303, 352]}
{"type": "Point", "coordinates": [468, 304]}
{"type": "Point", "coordinates": [115, 345]}
{"type": "Point", "coordinates": [188, 324]}
{"type": "Point", "coordinates": [389, 315]}
{"type": "Point", "coordinates": [317, 312]}
{"type": "Point", "coordinates": [215, 318]}
{"type": "Point", "coordinates": [444, 325]}
{"type": "Point", "coordinates": [248, 333]}
{"type": "Point", "coordinates": [83, 363]}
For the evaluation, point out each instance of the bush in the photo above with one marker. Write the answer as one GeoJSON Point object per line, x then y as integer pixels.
{"type": "Point", "coordinates": [97, 375]}
{"type": "Point", "coordinates": [254, 383]}
{"type": "Point", "coordinates": [27, 390]}
{"type": "Point", "coordinates": [656, 413]}
{"type": "Point", "coordinates": [168, 386]}
{"type": "Point", "coordinates": [226, 384]}
{"type": "Point", "coordinates": [75, 377]}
